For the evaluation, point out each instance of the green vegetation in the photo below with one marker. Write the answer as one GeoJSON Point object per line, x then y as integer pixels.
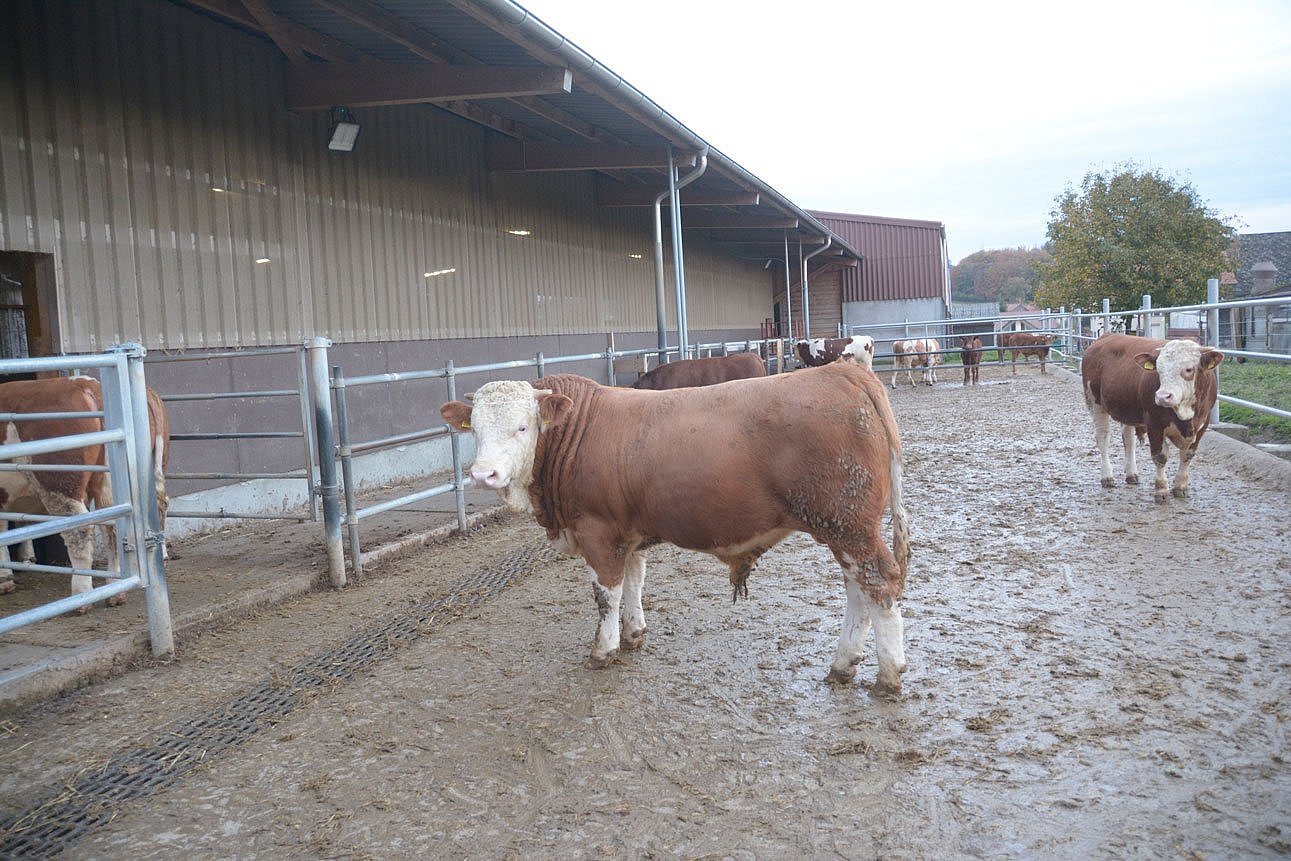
{"type": "Point", "coordinates": [1128, 233]}
{"type": "Point", "coordinates": [1267, 383]}
{"type": "Point", "coordinates": [1001, 275]}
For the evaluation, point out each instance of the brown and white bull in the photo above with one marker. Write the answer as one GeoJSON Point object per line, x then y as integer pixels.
{"type": "Point", "coordinates": [821, 351]}
{"type": "Point", "coordinates": [703, 372]}
{"type": "Point", "coordinates": [970, 354]}
{"type": "Point", "coordinates": [71, 492]}
{"type": "Point", "coordinates": [916, 353]}
{"type": "Point", "coordinates": [1025, 344]}
{"type": "Point", "coordinates": [729, 470]}
{"type": "Point", "coordinates": [1162, 389]}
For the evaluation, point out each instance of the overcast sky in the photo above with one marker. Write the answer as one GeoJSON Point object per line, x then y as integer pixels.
{"type": "Point", "coordinates": [976, 115]}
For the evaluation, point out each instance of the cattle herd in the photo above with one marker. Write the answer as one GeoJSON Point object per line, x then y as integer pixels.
{"type": "Point", "coordinates": [711, 455]}
{"type": "Point", "coordinates": [730, 467]}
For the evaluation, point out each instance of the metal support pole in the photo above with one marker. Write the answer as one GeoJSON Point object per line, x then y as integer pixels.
{"type": "Point", "coordinates": [1107, 315]}
{"type": "Point", "coordinates": [459, 486]}
{"type": "Point", "coordinates": [1212, 335]}
{"type": "Point", "coordinates": [788, 294]}
{"type": "Point", "coordinates": [541, 367]}
{"type": "Point", "coordinates": [311, 453]}
{"type": "Point", "coordinates": [609, 360]}
{"type": "Point", "coordinates": [347, 471]}
{"type": "Point", "coordinates": [1146, 307]}
{"type": "Point", "coordinates": [146, 520]}
{"type": "Point", "coordinates": [329, 485]}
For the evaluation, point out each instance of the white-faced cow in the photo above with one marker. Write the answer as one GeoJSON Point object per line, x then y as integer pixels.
{"type": "Point", "coordinates": [821, 351]}
{"type": "Point", "coordinates": [1164, 389]}
{"type": "Point", "coordinates": [970, 353]}
{"type": "Point", "coordinates": [1025, 344]}
{"type": "Point", "coordinates": [71, 492]}
{"type": "Point", "coordinates": [703, 372]}
{"type": "Point", "coordinates": [727, 470]}
{"type": "Point", "coordinates": [916, 353]}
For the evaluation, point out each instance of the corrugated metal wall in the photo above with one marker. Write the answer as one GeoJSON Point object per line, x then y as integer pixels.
{"type": "Point", "coordinates": [903, 257]}
{"type": "Point", "coordinates": [146, 148]}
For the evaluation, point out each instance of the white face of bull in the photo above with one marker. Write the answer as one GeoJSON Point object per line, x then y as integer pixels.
{"type": "Point", "coordinates": [861, 349]}
{"type": "Point", "coordinates": [1177, 364]}
{"type": "Point", "coordinates": [504, 418]}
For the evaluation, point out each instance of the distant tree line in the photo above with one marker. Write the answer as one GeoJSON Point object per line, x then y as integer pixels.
{"type": "Point", "coordinates": [1001, 275]}
{"type": "Point", "coordinates": [1123, 234]}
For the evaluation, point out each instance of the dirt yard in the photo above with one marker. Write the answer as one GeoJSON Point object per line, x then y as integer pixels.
{"type": "Point", "coordinates": [1091, 675]}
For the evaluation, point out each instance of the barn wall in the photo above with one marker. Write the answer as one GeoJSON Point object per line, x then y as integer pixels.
{"type": "Point", "coordinates": [147, 149]}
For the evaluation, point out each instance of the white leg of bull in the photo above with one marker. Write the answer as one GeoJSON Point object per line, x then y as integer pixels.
{"type": "Point", "coordinates": [1180, 488]}
{"type": "Point", "coordinates": [634, 623]}
{"type": "Point", "coordinates": [851, 640]}
{"type": "Point", "coordinates": [1102, 430]}
{"type": "Point", "coordinates": [6, 574]}
{"type": "Point", "coordinates": [606, 645]}
{"type": "Point", "coordinates": [1159, 485]}
{"type": "Point", "coordinates": [1129, 442]}
{"type": "Point", "coordinates": [889, 645]}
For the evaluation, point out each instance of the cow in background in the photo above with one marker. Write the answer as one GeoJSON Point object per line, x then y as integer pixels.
{"type": "Point", "coordinates": [687, 373]}
{"type": "Point", "coordinates": [728, 470]}
{"type": "Point", "coordinates": [68, 493]}
{"type": "Point", "coordinates": [970, 353]}
{"type": "Point", "coordinates": [916, 353]}
{"type": "Point", "coordinates": [1025, 344]}
{"type": "Point", "coordinates": [1162, 389]}
{"type": "Point", "coordinates": [821, 351]}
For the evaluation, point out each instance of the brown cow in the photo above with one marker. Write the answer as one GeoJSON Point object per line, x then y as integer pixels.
{"type": "Point", "coordinates": [822, 351]}
{"type": "Point", "coordinates": [728, 470]}
{"type": "Point", "coordinates": [703, 372]}
{"type": "Point", "coordinates": [1025, 344]}
{"type": "Point", "coordinates": [68, 493]}
{"type": "Point", "coordinates": [970, 353]}
{"type": "Point", "coordinates": [916, 353]}
{"type": "Point", "coordinates": [1164, 389]}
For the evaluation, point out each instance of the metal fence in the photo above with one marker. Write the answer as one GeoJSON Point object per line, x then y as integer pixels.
{"type": "Point", "coordinates": [126, 438]}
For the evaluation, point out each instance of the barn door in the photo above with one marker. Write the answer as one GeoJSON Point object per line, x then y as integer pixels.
{"type": "Point", "coordinates": [27, 307]}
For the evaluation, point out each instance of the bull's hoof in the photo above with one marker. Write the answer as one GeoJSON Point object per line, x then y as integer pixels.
{"type": "Point", "coordinates": [1180, 492]}
{"type": "Point", "coordinates": [844, 676]}
{"type": "Point", "coordinates": [595, 663]}
{"type": "Point", "coordinates": [1131, 479]}
{"type": "Point", "coordinates": [7, 586]}
{"type": "Point", "coordinates": [887, 688]}
{"type": "Point", "coordinates": [81, 611]}
{"type": "Point", "coordinates": [1160, 495]}
{"type": "Point", "coordinates": [1109, 482]}
{"type": "Point", "coordinates": [117, 600]}
{"type": "Point", "coordinates": [632, 640]}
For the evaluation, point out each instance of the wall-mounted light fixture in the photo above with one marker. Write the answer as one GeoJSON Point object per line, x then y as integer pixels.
{"type": "Point", "coordinates": [439, 272]}
{"type": "Point", "coordinates": [345, 129]}
{"type": "Point", "coordinates": [519, 231]}
{"type": "Point", "coordinates": [635, 256]}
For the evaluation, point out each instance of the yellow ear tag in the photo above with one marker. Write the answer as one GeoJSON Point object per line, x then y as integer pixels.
{"type": "Point", "coordinates": [1149, 366]}
{"type": "Point", "coordinates": [466, 425]}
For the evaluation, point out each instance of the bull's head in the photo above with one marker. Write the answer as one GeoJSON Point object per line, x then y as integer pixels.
{"type": "Point", "coordinates": [505, 419]}
{"type": "Point", "coordinates": [860, 349]}
{"type": "Point", "coordinates": [1177, 364]}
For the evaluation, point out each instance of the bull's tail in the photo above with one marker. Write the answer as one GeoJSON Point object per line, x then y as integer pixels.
{"type": "Point", "coordinates": [900, 518]}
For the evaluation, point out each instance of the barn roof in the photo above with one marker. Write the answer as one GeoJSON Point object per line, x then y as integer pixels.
{"type": "Point", "coordinates": [552, 105]}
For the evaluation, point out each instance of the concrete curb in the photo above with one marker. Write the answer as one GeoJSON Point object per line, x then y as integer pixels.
{"type": "Point", "coordinates": [61, 674]}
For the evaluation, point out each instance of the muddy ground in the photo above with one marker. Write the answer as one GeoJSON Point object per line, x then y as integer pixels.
{"type": "Point", "coordinates": [1091, 675]}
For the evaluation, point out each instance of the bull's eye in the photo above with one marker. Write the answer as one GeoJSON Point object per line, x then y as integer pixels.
{"type": "Point", "coordinates": [522, 428]}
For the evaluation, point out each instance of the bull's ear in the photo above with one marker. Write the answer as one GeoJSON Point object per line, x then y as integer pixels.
{"type": "Point", "coordinates": [1147, 361]}
{"type": "Point", "coordinates": [457, 414]}
{"type": "Point", "coordinates": [553, 408]}
{"type": "Point", "coordinates": [1210, 358]}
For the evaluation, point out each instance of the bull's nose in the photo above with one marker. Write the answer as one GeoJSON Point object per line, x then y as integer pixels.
{"type": "Point", "coordinates": [1165, 399]}
{"type": "Point", "coordinates": [487, 478]}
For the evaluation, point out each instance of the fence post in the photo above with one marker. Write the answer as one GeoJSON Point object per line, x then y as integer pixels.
{"type": "Point", "coordinates": [329, 486]}
{"type": "Point", "coordinates": [459, 488]}
{"type": "Point", "coordinates": [1212, 335]}
{"type": "Point", "coordinates": [145, 522]}
{"type": "Point", "coordinates": [347, 470]}
{"type": "Point", "coordinates": [542, 366]}
{"type": "Point", "coordinates": [1107, 315]}
{"type": "Point", "coordinates": [609, 359]}
{"type": "Point", "coordinates": [1145, 328]}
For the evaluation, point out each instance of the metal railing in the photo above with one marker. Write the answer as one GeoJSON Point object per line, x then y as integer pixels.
{"type": "Point", "coordinates": [771, 351]}
{"type": "Point", "coordinates": [126, 439]}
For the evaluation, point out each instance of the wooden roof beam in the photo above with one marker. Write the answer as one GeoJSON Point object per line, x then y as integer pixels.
{"type": "Point", "coordinates": [275, 30]}
{"type": "Point", "coordinates": [520, 156]}
{"type": "Point", "coordinates": [368, 84]}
